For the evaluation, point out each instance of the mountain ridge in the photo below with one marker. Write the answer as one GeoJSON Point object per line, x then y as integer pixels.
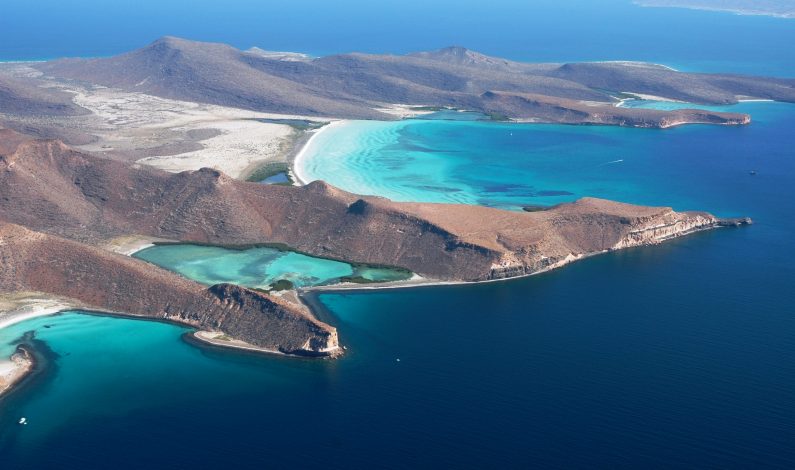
{"type": "Point", "coordinates": [357, 85]}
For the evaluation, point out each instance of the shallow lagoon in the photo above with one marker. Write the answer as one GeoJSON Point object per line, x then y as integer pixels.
{"type": "Point", "coordinates": [260, 267]}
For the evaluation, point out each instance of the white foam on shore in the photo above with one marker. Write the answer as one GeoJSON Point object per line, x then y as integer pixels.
{"type": "Point", "coordinates": [635, 63]}
{"type": "Point", "coordinates": [646, 97]}
{"type": "Point", "coordinates": [297, 168]}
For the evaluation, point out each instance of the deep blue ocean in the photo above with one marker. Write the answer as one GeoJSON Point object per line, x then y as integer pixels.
{"type": "Point", "coordinates": [672, 356]}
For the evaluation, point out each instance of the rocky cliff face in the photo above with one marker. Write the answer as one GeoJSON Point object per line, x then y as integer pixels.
{"type": "Point", "coordinates": [97, 279]}
{"type": "Point", "coordinates": [591, 226]}
{"type": "Point", "coordinates": [664, 227]}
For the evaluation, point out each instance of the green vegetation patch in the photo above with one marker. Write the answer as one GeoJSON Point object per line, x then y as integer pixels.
{"type": "Point", "coordinates": [498, 117]}
{"type": "Point", "coordinates": [271, 169]}
{"type": "Point", "coordinates": [298, 124]}
{"type": "Point", "coordinates": [282, 284]}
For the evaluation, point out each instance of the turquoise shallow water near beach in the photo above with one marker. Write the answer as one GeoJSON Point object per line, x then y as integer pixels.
{"type": "Point", "coordinates": [258, 267]}
{"type": "Point", "coordinates": [510, 166]}
{"type": "Point", "coordinates": [674, 105]}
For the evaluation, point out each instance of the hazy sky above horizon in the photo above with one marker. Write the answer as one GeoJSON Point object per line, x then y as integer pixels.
{"type": "Point", "coordinates": [532, 30]}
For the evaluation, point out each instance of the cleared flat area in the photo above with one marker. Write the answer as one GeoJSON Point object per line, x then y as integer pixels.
{"type": "Point", "coordinates": [172, 135]}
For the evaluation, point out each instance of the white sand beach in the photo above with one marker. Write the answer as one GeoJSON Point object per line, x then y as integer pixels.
{"type": "Point", "coordinates": [24, 306]}
{"type": "Point", "coordinates": [646, 97]}
{"type": "Point", "coordinates": [129, 245]}
{"type": "Point", "coordinates": [297, 168]}
{"type": "Point", "coordinates": [405, 111]}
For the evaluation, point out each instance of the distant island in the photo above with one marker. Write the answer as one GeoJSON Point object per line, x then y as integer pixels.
{"type": "Point", "coordinates": [777, 8]}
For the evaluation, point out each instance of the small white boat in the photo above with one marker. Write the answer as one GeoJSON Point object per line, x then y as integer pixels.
{"type": "Point", "coordinates": [23, 420]}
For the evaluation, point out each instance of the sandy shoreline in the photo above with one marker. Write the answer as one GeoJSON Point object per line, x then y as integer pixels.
{"type": "Point", "coordinates": [296, 166]}
{"type": "Point", "coordinates": [132, 244]}
{"type": "Point", "coordinates": [644, 97]}
{"type": "Point", "coordinates": [22, 307]}
{"type": "Point", "coordinates": [14, 370]}
{"type": "Point", "coordinates": [635, 63]}
{"type": "Point", "coordinates": [217, 338]}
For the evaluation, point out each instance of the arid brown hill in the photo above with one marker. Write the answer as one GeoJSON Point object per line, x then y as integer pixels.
{"type": "Point", "coordinates": [24, 97]}
{"type": "Point", "coordinates": [98, 279]}
{"type": "Point", "coordinates": [48, 187]}
{"type": "Point", "coordinates": [355, 85]}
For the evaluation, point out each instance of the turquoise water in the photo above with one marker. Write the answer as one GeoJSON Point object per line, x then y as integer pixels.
{"type": "Point", "coordinates": [258, 267]}
{"type": "Point", "coordinates": [276, 179]}
{"type": "Point", "coordinates": [514, 165]}
{"type": "Point", "coordinates": [674, 105]}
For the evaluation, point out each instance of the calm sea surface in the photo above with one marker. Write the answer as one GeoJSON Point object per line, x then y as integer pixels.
{"type": "Point", "coordinates": [678, 355]}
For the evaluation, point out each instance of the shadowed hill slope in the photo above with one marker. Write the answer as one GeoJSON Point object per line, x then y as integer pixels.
{"type": "Point", "coordinates": [23, 97]}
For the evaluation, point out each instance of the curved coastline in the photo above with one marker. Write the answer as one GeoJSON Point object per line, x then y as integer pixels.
{"type": "Point", "coordinates": [22, 369]}
{"type": "Point", "coordinates": [296, 165]}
